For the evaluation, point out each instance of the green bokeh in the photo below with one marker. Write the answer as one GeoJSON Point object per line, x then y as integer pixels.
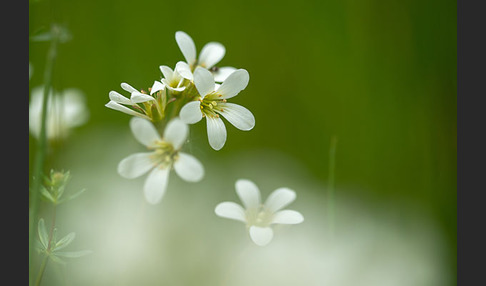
{"type": "Point", "coordinates": [379, 75]}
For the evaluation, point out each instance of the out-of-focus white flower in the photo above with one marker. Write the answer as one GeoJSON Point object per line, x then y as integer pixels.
{"type": "Point", "coordinates": [120, 102]}
{"type": "Point", "coordinates": [259, 217]}
{"type": "Point", "coordinates": [213, 102]}
{"type": "Point", "coordinates": [165, 154]}
{"type": "Point", "coordinates": [210, 55]}
{"type": "Point", "coordinates": [65, 110]}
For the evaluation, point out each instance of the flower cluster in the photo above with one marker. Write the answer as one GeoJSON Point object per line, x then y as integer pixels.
{"type": "Point", "coordinates": [195, 89]}
{"type": "Point", "coordinates": [192, 90]}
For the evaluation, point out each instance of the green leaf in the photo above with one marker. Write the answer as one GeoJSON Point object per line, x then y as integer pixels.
{"type": "Point", "coordinates": [56, 259]}
{"type": "Point", "coordinates": [43, 236]}
{"type": "Point", "coordinates": [74, 254]}
{"type": "Point", "coordinates": [61, 32]}
{"type": "Point", "coordinates": [65, 241]}
{"type": "Point", "coordinates": [74, 195]}
{"type": "Point", "coordinates": [47, 195]}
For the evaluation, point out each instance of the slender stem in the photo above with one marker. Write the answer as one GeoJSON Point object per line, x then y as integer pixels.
{"type": "Point", "coordinates": [41, 271]}
{"type": "Point", "coordinates": [53, 225]}
{"type": "Point", "coordinates": [330, 187]}
{"type": "Point", "coordinates": [49, 245]}
{"type": "Point", "coordinates": [41, 146]}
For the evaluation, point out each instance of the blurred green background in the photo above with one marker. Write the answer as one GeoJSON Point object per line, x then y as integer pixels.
{"type": "Point", "coordinates": [379, 75]}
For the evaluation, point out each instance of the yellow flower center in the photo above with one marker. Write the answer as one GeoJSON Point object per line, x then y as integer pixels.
{"type": "Point", "coordinates": [211, 104]}
{"type": "Point", "coordinates": [164, 154]}
{"type": "Point", "coordinates": [258, 217]}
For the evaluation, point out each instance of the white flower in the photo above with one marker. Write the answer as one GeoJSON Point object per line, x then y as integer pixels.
{"type": "Point", "coordinates": [165, 154]}
{"type": "Point", "coordinates": [257, 217]}
{"type": "Point", "coordinates": [213, 102]}
{"type": "Point", "coordinates": [172, 79]}
{"type": "Point", "coordinates": [65, 110]}
{"type": "Point", "coordinates": [210, 55]}
{"type": "Point", "coordinates": [119, 102]}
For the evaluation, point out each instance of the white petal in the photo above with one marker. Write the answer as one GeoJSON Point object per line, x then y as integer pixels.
{"type": "Point", "coordinates": [124, 109]}
{"type": "Point", "coordinates": [222, 73]}
{"type": "Point", "coordinates": [191, 112]}
{"type": "Point", "coordinates": [230, 210]}
{"type": "Point", "coordinates": [248, 193]}
{"type": "Point", "coordinates": [261, 236]}
{"type": "Point", "coordinates": [144, 131]}
{"type": "Point", "coordinates": [279, 199]}
{"type": "Point", "coordinates": [184, 70]}
{"type": "Point", "coordinates": [157, 86]}
{"type": "Point", "coordinates": [167, 72]}
{"type": "Point", "coordinates": [156, 184]}
{"type": "Point", "coordinates": [189, 168]}
{"type": "Point", "coordinates": [135, 165]}
{"type": "Point", "coordinates": [216, 132]}
{"type": "Point", "coordinates": [204, 81]}
{"type": "Point", "coordinates": [287, 217]}
{"type": "Point", "coordinates": [172, 88]}
{"type": "Point", "coordinates": [176, 132]}
{"type": "Point", "coordinates": [234, 83]}
{"type": "Point", "coordinates": [128, 87]}
{"type": "Point", "coordinates": [238, 115]}
{"type": "Point", "coordinates": [187, 46]}
{"type": "Point", "coordinates": [118, 98]}
{"type": "Point", "coordinates": [138, 97]}
{"type": "Point", "coordinates": [211, 54]}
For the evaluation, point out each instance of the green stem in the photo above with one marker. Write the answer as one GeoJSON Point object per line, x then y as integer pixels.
{"type": "Point", "coordinates": [330, 187]}
{"type": "Point", "coordinates": [41, 271]}
{"type": "Point", "coordinates": [49, 245]}
{"type": "Point", "coordinates": [41, 146]}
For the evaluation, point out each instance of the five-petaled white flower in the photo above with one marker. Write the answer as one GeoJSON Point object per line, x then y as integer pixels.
{"type": "Point", "coordinates": [259, 217]}
{"type": "Point", "coordinates": [210, 55]}
{"type": "Point", "coordinates": [213, 102]}
{"type": "Point", "coordinates": [65, 110]}
{"type": "Point", "coordinates": [165, 154]}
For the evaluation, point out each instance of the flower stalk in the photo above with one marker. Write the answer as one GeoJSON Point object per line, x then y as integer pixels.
{"type": "Point", "coordinates": [49, 245]}
{"type": "Point", "coordinates": [41, 144]}
{"type": "Point", "coordinates": [330, 186]}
